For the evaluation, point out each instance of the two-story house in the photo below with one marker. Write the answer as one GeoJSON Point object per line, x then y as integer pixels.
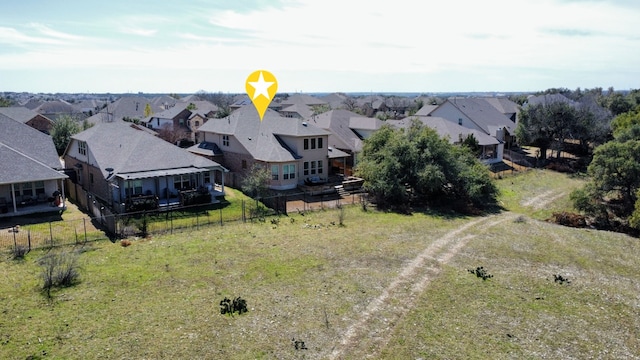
{"type": "Point", "coordinates": [292, 150]}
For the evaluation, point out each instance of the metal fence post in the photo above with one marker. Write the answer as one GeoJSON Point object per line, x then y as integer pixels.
{"type": "Point", "coordinates": [221, 216]}
{"type": "Point", "coordinates": [51, 233]}
{"type": "Point", "coordinates": [29, 238]}
{"type": "Point", "coordinates": [84, 225]}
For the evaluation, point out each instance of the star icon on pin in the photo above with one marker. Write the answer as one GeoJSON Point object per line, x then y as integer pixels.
{"type": "Point", "coordinates": [261, 87]}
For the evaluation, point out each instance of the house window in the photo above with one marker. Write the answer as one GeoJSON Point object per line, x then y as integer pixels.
{"type": "Point", "coordinates": [319, 143]}
{"type": "Point", "coordinates": [82, 148]}
{"type": "Point", "coordinates": [197, 123]}
{"type": "Point", "coordinates": [225, 140]}
{"type": "Point", "coordinates": [459, 121]}
{"type": "Point", "coordinates": [274, 172]}
{"type": "Point", "coordinates": [306, 168]}
{"type": "Point", "coordinates": [289, 171]}
{"type": "Point", "coordinates": [137, 187]}
{"type": "Point", "coordinates": [39, 185]}
{"type": "Point", "coordinates": [27, 189]}
{"type": "Point", "coordinates": [244, 164]}
{"type": "Point", "coordinates": [313, 167]}
{"type": "Point", "coordinates": [319, 166]}
{"type": "Point", "coordinates": [207, 177]}
{"type": "Point", "coordinates": [313, 143]}
{"type": "Point", "coordinates": [306, 144]}
{"type": "Point", "coordinates": [182, 182]}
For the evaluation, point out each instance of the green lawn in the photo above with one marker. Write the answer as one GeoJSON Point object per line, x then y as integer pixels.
{"type": "Point", "coordinates": [384, 285]}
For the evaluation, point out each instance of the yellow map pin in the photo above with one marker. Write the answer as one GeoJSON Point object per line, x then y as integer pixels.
{"type": "Point", "coordinates": [261, 87]}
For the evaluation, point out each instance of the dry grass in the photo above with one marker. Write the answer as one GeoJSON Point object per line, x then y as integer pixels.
{"type": "Point", "coordinates": [382, 286]}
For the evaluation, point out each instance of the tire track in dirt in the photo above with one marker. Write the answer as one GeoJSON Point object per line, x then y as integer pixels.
{"type": "Point", "coordinates": [542, 200]}
{"type": "Point", "coordinates": [365, 337]}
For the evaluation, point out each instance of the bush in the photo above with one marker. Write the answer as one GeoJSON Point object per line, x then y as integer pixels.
{"type": "Point", "coordinates": [59, 270]}
{"type": "Point", "coordinates": [19, 251]}
{"type": "Point", "coordinates": [569, 219]}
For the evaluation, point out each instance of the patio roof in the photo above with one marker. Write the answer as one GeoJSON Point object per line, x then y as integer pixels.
{"type": "Point", "coordinates": [162, 173]}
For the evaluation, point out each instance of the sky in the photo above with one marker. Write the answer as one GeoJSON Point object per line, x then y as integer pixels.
{"type": "Point", "coordinates": [116, 46]}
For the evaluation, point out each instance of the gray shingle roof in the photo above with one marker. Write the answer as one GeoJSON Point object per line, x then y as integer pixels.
{"type": "Point", "coordinates": [19, 113]}
{"type": "Point", "coordinates": [26, 154]}
{"type": "Point", "coordinates": [446, 129]}
{"type": "Point", "coordinates": [337, 123]}
{"type": "Point", "coordinates": [481, 112]}
{"type": "Point", "coordinates": [259, 138]}
{"type": "Point", "coordinates": [302, 99]}
{"type": "Point", "coordinates": [128, 149]}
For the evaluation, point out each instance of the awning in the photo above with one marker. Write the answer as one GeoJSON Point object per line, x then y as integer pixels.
{"type": "Point", "coordinates": [161, 173]}
{"type": "Point", "coordinates": [335, 153]}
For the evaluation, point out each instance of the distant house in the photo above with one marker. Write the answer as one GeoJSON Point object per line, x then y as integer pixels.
{"type": "Point", "coordinates": [55, 109]}
{"type": "Point", "coordinates": [292, 150]}
{"type": "Point", "coordinates": [32, 176]}
{"type": "Point", "coordinates": [132, 108]}
{"type": "Point", "coordinates": [183, 117]}
{"type": "Point", "coordinates": [297, 111]}
{"type": "Point", "coordinates": [451, 131]}
{"type": "Point", "coordinates": [122, 165]}
{"type": "Point", "coordinates": [302, 99]}
{"type": "Point", "coordinates": [28, 117]}
{"type": "Point", "coordinates": [479, 114]}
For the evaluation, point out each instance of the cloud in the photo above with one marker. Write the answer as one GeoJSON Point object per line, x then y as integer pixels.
{"type": "Point", "coordinates": [138, 31]}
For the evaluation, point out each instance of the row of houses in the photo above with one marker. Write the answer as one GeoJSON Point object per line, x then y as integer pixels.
{"type": "Point", "coordinates": [125, 166]}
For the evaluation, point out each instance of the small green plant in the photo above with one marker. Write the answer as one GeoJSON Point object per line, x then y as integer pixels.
{"type": "Point", "coordinates": [341, 215]}
{"type": "Point", "coordinates": [18, 252]}
{"type": "Point", "coordinates": [229, 307]}
{"type": "Point", "coordinates": [298, 344]}
{"type": "Point", "coordinates": [481, 272]}
{"type": "Point", "coordinates": [561, 279]}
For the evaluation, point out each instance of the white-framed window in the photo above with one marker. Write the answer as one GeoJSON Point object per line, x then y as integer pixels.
{"type": "Point", "coordinates": [274, 172]}
{"type": "Point", "coordinates": [225, 140]}
{"type": "Point", "coordinates": [82, 148]}
{"type": "Point", "coordinates": [306, 144]}
{"type": "Point", "coordinates": [306, 168]}
{"type": "Point", "coordinates": [459, 121]}
{"type": "Point", "coordinates": [289, 171]}
{"type": "Point", "coordinates": [319, 143]}
{"type": "Point", "coordinates": [313, 167]}
{"type": "Point", "coordinates": [319, 166]}
{"type": "Point", "coordinates": [207, 177]}
{"type": "Point", "coordinates": [313, 143]}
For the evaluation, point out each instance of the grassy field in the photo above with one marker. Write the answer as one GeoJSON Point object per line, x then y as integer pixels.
{"type": "Point", "coordinates": [382, 286]}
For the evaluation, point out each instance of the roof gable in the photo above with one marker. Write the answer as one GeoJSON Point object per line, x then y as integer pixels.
{"type": "Point", "coordinates": [28, 142]}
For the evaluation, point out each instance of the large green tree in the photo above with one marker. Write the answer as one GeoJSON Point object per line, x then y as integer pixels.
{"type": "Point", "coordinates": [544, 125]}
{"type": "Point", "coordinates": [614, 177]}
{"type": "Point", "coordinates": [415, 165]}
{"type": "Point", "coordinates": [549, 125]}
{"type": "Point", "coordinates": [63, 128]}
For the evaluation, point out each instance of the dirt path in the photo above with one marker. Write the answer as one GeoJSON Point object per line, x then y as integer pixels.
{"type": "Point", "coordinates": [542, 200]}
{"type": "Point", "coordinates": [371, 332]}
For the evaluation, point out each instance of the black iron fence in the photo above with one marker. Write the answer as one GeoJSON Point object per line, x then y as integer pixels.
{"type": "Point", "coordinates": [103, 224]}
